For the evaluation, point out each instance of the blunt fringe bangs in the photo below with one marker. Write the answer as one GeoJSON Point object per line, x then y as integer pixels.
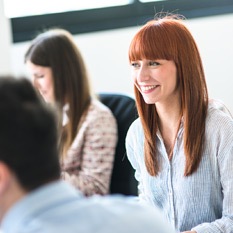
{"type": "Point", "coordinates": [159, 39]}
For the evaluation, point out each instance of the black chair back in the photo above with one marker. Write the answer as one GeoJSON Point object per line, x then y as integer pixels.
{"type": "Point", "coordinates": [124, 109]}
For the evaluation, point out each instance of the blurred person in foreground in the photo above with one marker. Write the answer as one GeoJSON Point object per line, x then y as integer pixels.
{"type": "Point", "coordinates": [33, 199]}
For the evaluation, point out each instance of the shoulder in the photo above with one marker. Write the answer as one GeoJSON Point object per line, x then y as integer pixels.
{"type": "Point", "coordinates": [98, 121]}
{"type": "Point", "coordinates": [99, 109]}
{"type": "Point", "coordinates": [135, 131]}
{"type": "Point", "coordinates": [99, 113]}
{"type": "Point", "coordinates": [219, 122]}
{"type": "Point", "coordinates": [124, 214]}
{"type": "Point", "coordinates": [218, 114]}
{"type": "Point", "coordinates": [136, 126]}
{"type": "Point", "coordinates": [134, 143]}
{"type": "Point", "coordinates": [219, 105]}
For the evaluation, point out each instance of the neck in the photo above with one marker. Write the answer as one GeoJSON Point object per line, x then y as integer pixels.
{"type": "Point", "coordinates": [169, 123]}
{"type": "Point", "coordinates": [169, 116]}
{"type": "Point", "coordinates": [10, 196]}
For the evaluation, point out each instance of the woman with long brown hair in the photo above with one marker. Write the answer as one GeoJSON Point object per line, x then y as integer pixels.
{"type": "Point", "coordinates": [181, 145]}
{"type": "Point", "coordinates": [88, 128]}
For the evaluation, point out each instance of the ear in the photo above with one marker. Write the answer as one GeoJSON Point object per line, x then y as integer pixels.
{"type": "Point", "coordinates": [5, 177]}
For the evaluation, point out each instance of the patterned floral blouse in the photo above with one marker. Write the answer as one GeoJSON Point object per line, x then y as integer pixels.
{"type": "Point", "coordinates": [89, 161]}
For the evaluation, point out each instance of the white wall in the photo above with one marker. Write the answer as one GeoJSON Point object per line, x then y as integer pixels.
{"type": "Point", "coordinates": [214, 36]}
{"type": "Point", "coordinates": [106, 56]}
{"type": "Point", "coordinates": [5, 42]}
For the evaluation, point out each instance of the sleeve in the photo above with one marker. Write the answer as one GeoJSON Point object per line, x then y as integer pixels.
{"type": "Point", "coordinates": [225, 163]}
{"type": "Point", "coordinates": [92, 161]}
{"type": "Point", "coordinates": [135, 153]}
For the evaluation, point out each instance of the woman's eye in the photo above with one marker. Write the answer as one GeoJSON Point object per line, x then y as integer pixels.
{"type": "Point", "coordinates": [135, 64]}
{"type": "Point", "coordinates": [153, 63]}
{"type": "Point", "coordinates": [39, 76]}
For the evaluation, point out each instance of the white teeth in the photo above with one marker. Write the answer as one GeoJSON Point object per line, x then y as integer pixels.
{"type": "Point", "coordinates": [147, 88]}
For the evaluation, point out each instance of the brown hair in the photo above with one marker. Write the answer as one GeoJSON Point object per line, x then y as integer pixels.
{"type": "Point", "coordinates": [56, 49]}
{"type": "Point", "coordinates": [168, 38]}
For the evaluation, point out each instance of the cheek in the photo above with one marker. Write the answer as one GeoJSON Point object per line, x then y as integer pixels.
{"type": "Point", "coordinates": [173, 78]}
{"type": "Point", "coordinates": [35, 82]}
{"type": "Point", "coordinates": [49, 85]}
{"type": "Point", "coordinates": [134, 77]}
{"type": "Point", "coordinates": [135, 82]}
{"type": "Point", "coordinates": [175, 82]}
{"type": "Point", "coordinates": [49, 82]}
{"type": "Point", "coordinates": [45, 83]}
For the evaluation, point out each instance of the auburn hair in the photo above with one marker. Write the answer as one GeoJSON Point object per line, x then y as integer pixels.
{"type": "Point", "coordinates": [168, 38]}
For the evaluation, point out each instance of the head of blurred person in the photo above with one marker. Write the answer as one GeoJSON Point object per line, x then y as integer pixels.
{"type": "Point", "coordinates": [28, 141]}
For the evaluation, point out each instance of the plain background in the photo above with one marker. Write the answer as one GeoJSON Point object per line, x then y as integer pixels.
{"type": "Point", "coordinates": [105, 54]}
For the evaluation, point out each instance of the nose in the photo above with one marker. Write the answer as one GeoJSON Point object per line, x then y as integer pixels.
{"type": "Point", "coordinates": [35, 82]}
{"type": "Point", "coordinates": [143, 74]}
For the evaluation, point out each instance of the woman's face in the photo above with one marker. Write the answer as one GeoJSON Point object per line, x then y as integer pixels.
{"type": "Point", "coordinates": [156, 80]}
{"type": "Point", "coordinates": [42, 79]}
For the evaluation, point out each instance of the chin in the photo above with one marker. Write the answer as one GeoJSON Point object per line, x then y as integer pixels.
{"type": "Point", "coordinates": [149, 101]}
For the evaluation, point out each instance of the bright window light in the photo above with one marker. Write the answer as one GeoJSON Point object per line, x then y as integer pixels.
{"type": "Point", "coordinates": [20, 8]}
{"type": "Point", "coordinates": [151, 0]}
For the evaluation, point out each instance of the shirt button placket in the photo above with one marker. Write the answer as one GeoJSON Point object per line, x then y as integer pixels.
{"type": "Point", "coordinates": [170, 196]}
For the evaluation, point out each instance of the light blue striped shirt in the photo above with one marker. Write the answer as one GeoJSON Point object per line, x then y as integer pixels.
{"type": "Point", "coordinates": [59, 208]}
{"type": "Point", "coordinates": [203, 201]}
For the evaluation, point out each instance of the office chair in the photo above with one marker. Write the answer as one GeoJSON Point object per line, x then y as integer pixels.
{"type": "Point", "coordinates": [124, 109]}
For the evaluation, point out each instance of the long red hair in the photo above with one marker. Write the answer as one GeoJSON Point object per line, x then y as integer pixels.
{"type": "Point", "coordinates": [168, 38]}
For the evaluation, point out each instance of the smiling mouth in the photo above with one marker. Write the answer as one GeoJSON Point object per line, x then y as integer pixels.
{"type": "Point", "coordinates": [148, 88]}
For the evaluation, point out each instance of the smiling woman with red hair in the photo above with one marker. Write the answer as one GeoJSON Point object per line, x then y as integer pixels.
{"type": "Point", "coordinates": [181, 145]}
